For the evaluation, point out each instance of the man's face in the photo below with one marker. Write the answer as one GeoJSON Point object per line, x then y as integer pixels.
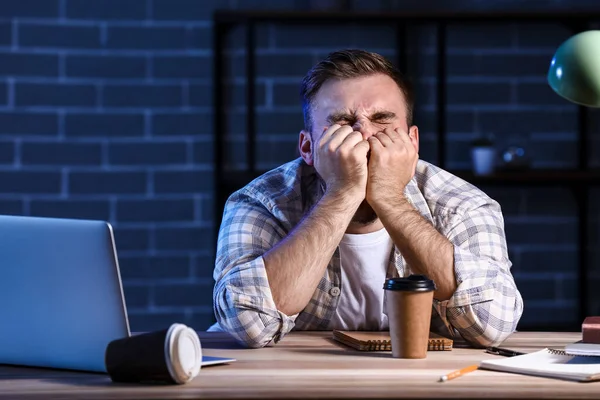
{"type": "Point", "coordinates": [368, 104]}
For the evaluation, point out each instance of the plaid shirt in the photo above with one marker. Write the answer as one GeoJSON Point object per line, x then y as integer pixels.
{"type": "Point", "coordinates": [484, 309]}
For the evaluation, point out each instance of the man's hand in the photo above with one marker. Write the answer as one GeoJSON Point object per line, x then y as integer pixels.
{"type": "Point", "coordinates": [341, 159]}
{"type": "Point", "coordinates": [392, 165]}
{"type": "Point", "coordinates": [296, 264]}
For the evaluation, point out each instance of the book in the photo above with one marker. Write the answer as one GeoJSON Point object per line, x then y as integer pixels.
{"type": "Point", "coordinates": [381, 341]}
{"type": "Point", "coordinates": [583, 349]}
{"type": "Point", "coordinates": [590, 330]}
{"type": "Point", "coordinates": [548, 363]}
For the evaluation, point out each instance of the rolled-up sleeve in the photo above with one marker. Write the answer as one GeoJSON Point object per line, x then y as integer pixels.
{"type": "Point", "coordinates": [486, 306]}
{"type": "Point", "coordinates": [242, 298]}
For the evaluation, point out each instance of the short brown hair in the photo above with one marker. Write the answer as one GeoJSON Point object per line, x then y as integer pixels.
{"type": "Point", "coordinates": [346, 64]}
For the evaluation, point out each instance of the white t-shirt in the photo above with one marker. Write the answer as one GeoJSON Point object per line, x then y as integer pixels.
{"type": "Point", "coordinates": [365, 259]}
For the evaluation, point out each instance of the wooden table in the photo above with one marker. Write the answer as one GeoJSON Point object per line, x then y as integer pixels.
{"type": "Point", "coordinates": [311, 365]}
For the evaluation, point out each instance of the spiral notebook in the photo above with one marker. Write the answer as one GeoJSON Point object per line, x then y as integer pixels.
{"type": "Point", "coordinates": [548, 363]}
{"type": "Point", "coordinates": [380, 341]}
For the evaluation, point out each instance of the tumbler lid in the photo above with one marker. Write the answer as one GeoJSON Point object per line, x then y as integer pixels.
{"type": "Point", "coordinates": [412, 283]}
{"type": "Point", "coordinates": [183, 353]}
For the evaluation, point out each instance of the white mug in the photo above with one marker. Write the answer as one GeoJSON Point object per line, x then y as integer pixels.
{"type": "Point", "coordinates": [484, 160]}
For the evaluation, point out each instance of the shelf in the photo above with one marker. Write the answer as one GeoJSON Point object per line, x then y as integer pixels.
{"type": "Point", "coordinates": [533, 177]}
{"type": "Point", "coordinates": [237, 179]}
{"type": "Point", "coordinates": [240, 16]}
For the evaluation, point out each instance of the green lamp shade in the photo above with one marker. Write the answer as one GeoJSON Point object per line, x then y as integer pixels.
{"type": "Point", "coordinates": [575, 69]}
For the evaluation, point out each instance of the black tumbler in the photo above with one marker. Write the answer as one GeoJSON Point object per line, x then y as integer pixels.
{"type": "Point", "coordinates": [171, 355]}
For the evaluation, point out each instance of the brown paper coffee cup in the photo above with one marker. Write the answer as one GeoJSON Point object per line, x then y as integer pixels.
{"type": "Point", "coordinates": [408, 305]}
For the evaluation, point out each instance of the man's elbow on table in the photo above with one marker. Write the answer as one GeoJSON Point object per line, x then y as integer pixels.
{"type": "Point", "coordinates": [491, 329]}
{"type": "Point", "coordinates": [251, 326]}
{"type": "Point", "coordinates": [489, 338]}
{"type": "Point", "coordinates": [255, 338]}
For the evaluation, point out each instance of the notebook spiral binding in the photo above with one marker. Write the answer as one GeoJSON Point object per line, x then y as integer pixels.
{"type": "Point", "coordinates": [386, 345]}
{"type": "Point", "coordinates": [564, 353]}
{"type": "Point", "coordinates": [436, 345]}
{"type": "Point", "coordinates": [378, 345]}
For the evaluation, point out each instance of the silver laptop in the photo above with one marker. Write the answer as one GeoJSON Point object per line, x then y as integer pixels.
{"type": "Point", "coordinates": [61, 297]}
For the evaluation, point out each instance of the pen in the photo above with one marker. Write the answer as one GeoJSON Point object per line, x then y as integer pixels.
{"type": "Point", "coordinates": [458, 372]}
{"type": "Point", "coordinates": [503, 352]}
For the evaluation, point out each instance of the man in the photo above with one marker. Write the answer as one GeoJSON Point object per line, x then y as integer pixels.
{"type": "Point", "coordinates": [308, 245]}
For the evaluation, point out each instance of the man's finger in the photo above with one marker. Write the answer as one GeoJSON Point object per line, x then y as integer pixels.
{"type": "Point", "coordinates": [363, 147]}
{"type": "Point", "coordinates": [375, 145]}
{"type": "Point", "coordinates": [385, 140]}
{"type": "Point", "coordinates": [329, 131]}
{"type": "Point", "coordinates": [393, 134]}
{"type": "Point", "coordinates": [337, 137]}
{"type": "Point", "coordinates": [404, 136]}
{"type": "Point", "coordinates": [351, 139]}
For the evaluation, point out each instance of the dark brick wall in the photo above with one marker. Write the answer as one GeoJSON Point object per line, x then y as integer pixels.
{"type": "Point", "coordinates": [106, 113]}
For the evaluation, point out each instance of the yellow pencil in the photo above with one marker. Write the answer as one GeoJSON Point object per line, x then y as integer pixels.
{"type": "Point", "coordinates": [458, 372]}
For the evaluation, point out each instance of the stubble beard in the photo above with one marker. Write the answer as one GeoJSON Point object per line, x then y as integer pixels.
{"type": "Point", "coordinates": [364, 215]}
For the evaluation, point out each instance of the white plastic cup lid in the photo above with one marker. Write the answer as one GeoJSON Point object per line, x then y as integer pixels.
{"type": "Point", "coordinates": [183, 353]}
